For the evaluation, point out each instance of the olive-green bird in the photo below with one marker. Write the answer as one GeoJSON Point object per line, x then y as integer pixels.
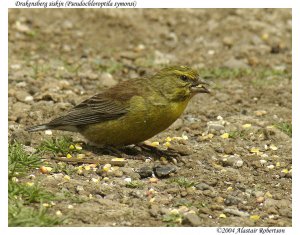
{"type": "Point", "coordinates": [133, 110]}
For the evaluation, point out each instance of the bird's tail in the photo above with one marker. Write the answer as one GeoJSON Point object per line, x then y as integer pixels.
{"type": "Point", "coordinates": [38, 128]}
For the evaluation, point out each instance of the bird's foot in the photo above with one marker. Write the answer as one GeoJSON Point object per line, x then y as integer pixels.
{"type": "Point", "coordinates": [169, 154]}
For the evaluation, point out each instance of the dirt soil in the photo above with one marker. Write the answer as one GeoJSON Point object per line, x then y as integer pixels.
{"type": "Point", "coordinates": [238, 161]}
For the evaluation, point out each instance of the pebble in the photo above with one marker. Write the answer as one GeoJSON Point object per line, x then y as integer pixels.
{"type": "Point", "coordinates": [210, 193]}
{"type": "Point", "coordinates": [229, 148]}
{"type": "Point", "coordinates": [260, 199]}
{"type": "Point", "coordinates": [154, 210]}
{"type": "Point", "coordinates": [22, 27]}
{"type": "Point", "coordinates": [79, 188]}
{"type": "Point", "coordinates": [145, 172]}
{"type": "Point", "coordinates": [277, 196]}
{"type": "Point", "coordinates": [236, 212]}
{"type": "Point", "coordinates": [233, 160]}
{"type": "Point", "coordinates": [216, 207]}
{"type": "Point", "coordinates": [228, 41]}
{"type": "Point", "coordinates": [192, 219]}
{"type": "Point", "coordinates": [286, 212]}
{"type": "Point", "coordinates": [203, 186]}
{"type": "Point", "coordinates": [129, 172]}
{"type": "Point", "coordinates": [128, 180]}
{"type": "Point", "coordinates": [21, 95]}
{"type": "Point", "coordinates": [231, 200]}
{"type": "Point", "coordinates": [235, 64]}
{"type": "Point", "coordinates": [67, 24]}
{"type": "Point", "coordinates": [204, 210]}
{"type": "Point", "coordinates": [162, 58]}
{"type": "Point", "coordinates": [153, 180]}
{"type": "Point", "coordinates": [20, 108]}
{"type": "Point", "coordinates": [214, 125]}
{"type": "Point", "coordinates": [107, 80]}
{"type": "Point", "coordinates": [260, 113]}
{"type": "Point", "coordinates": [162, 171]}
{"type": "Point", "coordinates": [181, 149]}
{"type": "Point", "coordinates": [219, 199]}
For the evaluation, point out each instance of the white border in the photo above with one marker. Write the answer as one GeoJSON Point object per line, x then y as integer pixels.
{"type": "Point", "coordinates": [155, 4]}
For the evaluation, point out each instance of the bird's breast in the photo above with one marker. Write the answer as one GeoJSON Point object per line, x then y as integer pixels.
{"type": "Point", "coordinates": [143, 120]}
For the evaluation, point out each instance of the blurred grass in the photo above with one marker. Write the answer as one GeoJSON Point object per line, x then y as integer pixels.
{"type": "Point", "coordinates": [228, 73]}
{"type": "Point", "coordinates": [285, 127]}
{"type": "Point", "coordinates": [25, 199]}
{"type": "Point", "coordinates": [182, 182]}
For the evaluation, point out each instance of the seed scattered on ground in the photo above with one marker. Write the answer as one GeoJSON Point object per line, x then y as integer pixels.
{"type": "Point", "coordinates": [225, 136]}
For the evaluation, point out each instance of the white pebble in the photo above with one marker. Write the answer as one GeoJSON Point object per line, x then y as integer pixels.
{"type": "Point", "coordinates": [48, 132]}
{"type": "Point", "coordinates": [127, 180]}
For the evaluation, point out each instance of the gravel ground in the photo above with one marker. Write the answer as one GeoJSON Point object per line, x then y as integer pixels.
{"type": "Point", "coordinates": [236, 143]}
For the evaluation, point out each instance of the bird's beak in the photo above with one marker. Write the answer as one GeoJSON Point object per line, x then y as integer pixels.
{"type": "Point", "coordinates": [199, 87]}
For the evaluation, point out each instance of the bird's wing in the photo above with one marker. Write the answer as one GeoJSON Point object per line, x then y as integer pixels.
{"type": "Point", "coordinates": [111, 104]}
{"type": "Point", "coordinates": [96, 109]}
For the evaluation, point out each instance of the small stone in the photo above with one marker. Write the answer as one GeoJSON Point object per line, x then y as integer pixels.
{"type": "Point", "coordinates": [204, 210]}
{"type": "Point", "coordinates": [285, 212]}
{"type": "Point", "coordinates": [22, 27]}
{"type": "Point", "coordinates": [277, 196]}
{"type": "Point", "coordinates": [107, 80]}
{"type": "Point", "coordinates": [260, 113]}
{"type": "Point", "coordinates": [79, 188]}
{"type": "Point", "coordinates": [235, 64]}
{"type": "Point", "coordinates": [66, 48]}
{"type": "Point", "coordinates": [67, 24]}
{"type": "Point", "coordinates": [58, 213]}
{"type": "Point", "coordinates": [181, 149]}
{"type": "Point", "coordinates": [260, 199]}
{"type": "Point", "coordinates": [145, 171]}
{"type": "Point", "coordinates": [22, 95]}
{"type": "Point", "coordinates": [210, 193]}
{"type": "Point", "coordinates": [268, 195]}
{"type": "Point", "coordinates": [217, 207]}
{"type": "Point", "coordinates": [203, 186]}
{"type": "Point", "coordinates": [236, 212]}
{"type": "Point", "coordinates": [117, 173]}
{"type": "Point", "coordinates": [231, 200]}
{"type": "Point", "coordinates": [162, 171]}
{"type": "Point", "coordinates": [233, 160]}
{"type": "Point", "coordinates": [153, 180]}
{"type": "Point", "coordinates": [215, 125]}
{"type": "Point", "coordinates": [128, 180]}
{"type": "Point", "coordinates": [15, 66]}
{"type": "Point", "coordinates": [184, 193]}
{"type": "Point", "coordinates": [269, 202]}
{"type": "Point", "coordinates": [229, 148]}
{"type": "Point", "coordinates": [192, 219]}
{"type": "Point", "coordinates": [228, 41]}
{"type": "Point", "coordinates": [219, 199]}
{"type": "Point", "coordinates": [154, 211]}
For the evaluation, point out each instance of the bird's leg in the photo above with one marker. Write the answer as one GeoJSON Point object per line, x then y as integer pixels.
{"type": "Point", "coordinates": [170, 155]}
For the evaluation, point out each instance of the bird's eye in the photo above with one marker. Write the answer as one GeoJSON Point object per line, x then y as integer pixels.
{"type": "Point", "coordinates": [184, 78]}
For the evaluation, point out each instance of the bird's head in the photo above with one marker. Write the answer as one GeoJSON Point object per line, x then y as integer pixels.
{"type": "Point", "coordinates": [180, 82]}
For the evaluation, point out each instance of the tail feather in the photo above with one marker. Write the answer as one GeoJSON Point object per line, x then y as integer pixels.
{"type": "Point", "coordinates": [48, 126]}
{"type": "Point", "coordinates": [38, 128]}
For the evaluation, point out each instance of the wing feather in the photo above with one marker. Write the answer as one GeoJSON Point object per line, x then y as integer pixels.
{"type": "Point", "coordinates": [109, 105]}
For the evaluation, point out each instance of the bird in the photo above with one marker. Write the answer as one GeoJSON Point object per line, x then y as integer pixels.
{"type": "Point", "coordinates": [132, 111]}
